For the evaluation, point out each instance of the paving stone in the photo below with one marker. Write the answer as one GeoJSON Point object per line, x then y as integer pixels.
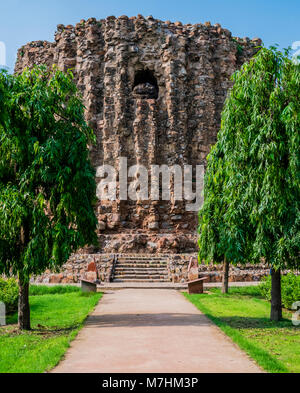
{"type": "Point", "coordinates": [154, 330]}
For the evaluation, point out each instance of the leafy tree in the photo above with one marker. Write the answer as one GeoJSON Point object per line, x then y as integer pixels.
{"type": "Point", "coordinates": [212, 227]}
{"type": "Point", "coordinates": [47, 183]}
{"type": "Point", "coordinates": [260, 144]}
{"type": "Point", "coordinates": [221, 240]}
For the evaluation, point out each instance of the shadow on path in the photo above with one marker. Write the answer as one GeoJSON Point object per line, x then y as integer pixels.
{"type": "Point", "coordinates": [135, 320]}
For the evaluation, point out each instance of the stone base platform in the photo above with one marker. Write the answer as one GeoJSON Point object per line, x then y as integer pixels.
{"type": "Point", "coordinates": [173, 269]}
{"type": "Point", "coordinates": [177, 286]}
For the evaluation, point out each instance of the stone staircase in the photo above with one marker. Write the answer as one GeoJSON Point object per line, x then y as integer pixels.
{"type": "Point", "coordinates": [141, 269]}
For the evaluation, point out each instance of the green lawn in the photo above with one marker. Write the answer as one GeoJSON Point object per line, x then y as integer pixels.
{"type": "Point", "coordinates": [56, 319]}
{"type": "Point", "coordinates": [244, 316]}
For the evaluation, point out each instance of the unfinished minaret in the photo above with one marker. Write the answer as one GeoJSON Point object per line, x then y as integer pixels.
{"type": "Point", "coordinates": [154, 93]}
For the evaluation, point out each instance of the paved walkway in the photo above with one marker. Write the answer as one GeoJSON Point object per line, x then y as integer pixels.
{"type": "Point", "coordinates": [152, 330]}
{"type": "Point", "coordinates": [168, 285]}
{"type": "Point", "coordinates": [160, 285]}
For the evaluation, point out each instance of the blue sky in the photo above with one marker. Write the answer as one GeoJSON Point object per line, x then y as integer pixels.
{"type": "Point", "coordinates": [275, 21]}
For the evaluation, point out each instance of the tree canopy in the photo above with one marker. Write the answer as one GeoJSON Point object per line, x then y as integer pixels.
{"type": "Point", "coordinates": [251, 210]}
{"type": "Point", "coordinates": [47, 183]}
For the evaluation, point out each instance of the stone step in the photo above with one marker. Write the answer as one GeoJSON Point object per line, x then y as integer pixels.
{"type": "Point", "coordinates": [141, 270]}
{"type": "Point", "coordinates": [126, 277]}
{"type": "Point", "coordinates": [140, 266]}
{"type": "Point", "coordinates": [143, 263]}
{"type": "Point", "coordinates": [139, 280]}
{"type": "Point", "coordinates": [149, 258]}
{"type": "Point", "coordinates": [140, 275]}
{"type": "Point", "coordinates": [143, 256]}
{"type": "Point", "coordinates": [143, 259]}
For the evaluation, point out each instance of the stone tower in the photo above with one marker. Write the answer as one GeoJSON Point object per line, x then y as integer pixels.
{"type": "Point", "coordinates": [153, 93]}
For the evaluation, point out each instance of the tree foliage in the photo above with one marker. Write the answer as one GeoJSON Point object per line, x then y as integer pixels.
{"type": "Point", "coordinates": [47, 183]}
{"type": "Point", "coordinates": [252, 183]}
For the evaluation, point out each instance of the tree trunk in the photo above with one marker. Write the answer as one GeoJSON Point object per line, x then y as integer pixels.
{"type": "Point", "coordinates": [276, 307]}
{"type": "Point", "coordinates": [23, 305]}
{"type": "Point", "coordinates": [225, 276]}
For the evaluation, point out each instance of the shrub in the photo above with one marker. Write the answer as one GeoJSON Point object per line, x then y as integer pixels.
{"type": "Point", "coordinates": [290, 288]}
{"type": "Point", "coordinates": [9, 294]}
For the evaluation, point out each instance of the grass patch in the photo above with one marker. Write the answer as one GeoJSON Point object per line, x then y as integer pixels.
{"type": "Point", "coordinates": [56, 320]}
{"type": "Point", "coordinates": [52, 290]}
{"type": "Point", "coordinates": [244, 316]}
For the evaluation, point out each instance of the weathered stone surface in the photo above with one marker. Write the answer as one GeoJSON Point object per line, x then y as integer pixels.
{"type": "Point", "coordinates": [175, 268]}
{"type": "Point", "coordinates": [81, 266]}
{"type": "Point", "coordinates": [92, 267]}
{"type": "Point", "coordinates": [91, 276]}
{"type": "Point", "coordinates": [153, 225]}
{"type": "Point", "coordinates": [101, 226]}
{"type": "Point", "coordinates": [56, 278]}
{"type": "Point", "coordinates": [193, 269]}
{"type": "Point", "coordinates": [153, 93]}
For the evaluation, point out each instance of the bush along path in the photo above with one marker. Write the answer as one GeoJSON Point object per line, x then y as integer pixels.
{"type": "Point", "coordinates": [56, 320]}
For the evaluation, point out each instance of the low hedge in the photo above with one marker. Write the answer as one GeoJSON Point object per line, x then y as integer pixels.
{"type": "Point", "coordinates": [52, 290]}
{"type": "Point", "coordinates": [9, 294]}
{"type": "Point", "coordinates": [290, 289]}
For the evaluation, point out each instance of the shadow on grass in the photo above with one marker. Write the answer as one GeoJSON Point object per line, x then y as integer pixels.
{"type": "Point", "coordinates": [238, 292]}
{"type": "Point", "coordinates": [13, 330]}
{"type": "Point", "coordinates": [12, 319]}
{"type": "Point", "coordinates": [233, 327]}
{"type": "Point", "coordinates": [54, 331]}
{"type": "Point", "coordinates": [262, 357]}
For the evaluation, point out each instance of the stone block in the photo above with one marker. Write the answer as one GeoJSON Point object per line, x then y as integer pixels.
{"type": "Point", "coordinates": [101, 226]}
{"type": "Point", "coordinates": [56, 278]}
{"type": "Point", "coordinates": [196, 286]}
{"type": "Point", "coordinates": [91, 276]}
{"type": "Point", "coordinates": [92, 267]}
{"type": "Point", "coordinates": [153, 225]}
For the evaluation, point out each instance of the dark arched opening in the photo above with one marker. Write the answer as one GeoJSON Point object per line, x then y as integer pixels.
{"type": "Point", "coordinates": [145, 84]}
